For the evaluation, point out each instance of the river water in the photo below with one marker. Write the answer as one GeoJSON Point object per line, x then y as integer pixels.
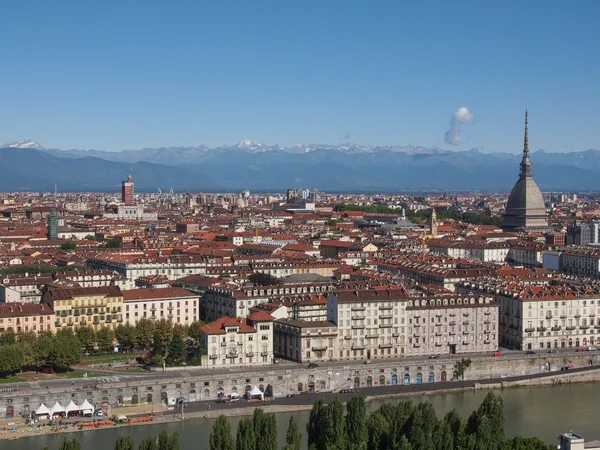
{"type": "Point", "coordinates": [534, 411]}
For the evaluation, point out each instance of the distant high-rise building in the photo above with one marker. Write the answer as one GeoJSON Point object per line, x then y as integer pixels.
{"type": "Point", "coordinates": [127, 191]}
{"type": "Point", "coordinates": [52, 225]}
{"type": "Point", "coordinates": [291, 195]}
{"type": "Point", "coordinates": [525, 208]}
{"type": "Point", "coordinates": [433, 225]}
{"type": "Point", "coordinates": [583, 233]}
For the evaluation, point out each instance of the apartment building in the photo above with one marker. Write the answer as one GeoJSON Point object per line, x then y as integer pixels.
{"type": "Point", "coordinates": [94, 306]}
{"type": "Point", "coordinates": [237, 341]}
{"type": "Point", "coordinates": [279, 270]}
{"type": "Point", "coordinates": [174, 304]}
{"type": "Point", "coordinates": [26, 317]}
{"type": "Point", "coordinates": [305, 341]}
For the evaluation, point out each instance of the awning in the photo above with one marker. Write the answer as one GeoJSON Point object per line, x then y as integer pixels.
{"type": "Point", "coordinates": [71, 407]}
{"type": "Point", "coordinates": [86, 407]}
{"type": "Point", "coordinates": [256, 392]}
{"type": "Point", "coordinates": [42, 410]}
{"type": "Point", "coordinates": [56, 409]}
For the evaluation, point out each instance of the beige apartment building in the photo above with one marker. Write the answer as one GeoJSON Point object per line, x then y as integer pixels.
{"type": "Point", "coordinates": [174, 304]}
{"type": "Point", "coordinates": [236, 341]}
{"type": "Point", "coordinates": [26, 317]}
{"type": "Point", "coordinates": [305, 341]}
{"type": "Point", "coordinates": [93, 306]}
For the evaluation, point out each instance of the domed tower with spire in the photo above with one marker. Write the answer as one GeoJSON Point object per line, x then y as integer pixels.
{"type": "Point", "coordinates": [525, 208]}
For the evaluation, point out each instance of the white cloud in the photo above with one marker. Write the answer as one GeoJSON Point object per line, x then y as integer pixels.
{"type": "Point", "coordinates": [460, 117]}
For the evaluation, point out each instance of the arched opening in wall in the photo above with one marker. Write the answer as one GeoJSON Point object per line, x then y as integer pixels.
{"type": "Point", "coordinates": [570, 343]}
{"type": "Point", "coordinates": [149, 398]}
{"type": "Point", "coordinates": [26, 409]}
{"type": "Point", "coordinates": [311, 387]}
{"type": "Point", "coordinates": [164, 397]}
{"type": "Point", "coordinates": [555, 343]}
{"type": "Point", "coordinates": [369, 380]}
{"type": "Point", "coordinates": [10, 412]}
{"type": "Point", "coordinates": [394, 379]}
{"type": "Point", "coordinates": [443, 375]}
{"type": "Point", "coordinates": [419, 378]}
{"type": "Point", "coordinates": [234, 389]}
{"type": "Point", "coordinates": [431, 378]}
{"type": "Point", "coordinates": [206, 394]}
{"type": "Point", "coordinates": [577, 342]}
{"type": "Point", "coordinates": [104, 404]}
{"type": "Point", "coordinates": [562, 344]}
{"type": "Point", "coordinates": [220, 392]}
{"type": "Point", "coordinates": [135, 399]}
{"type": "Point", "coordinates": [406, 378]}
{"type": "Point", "coordinates": [584, 342]}
{"type": "Point", "coordinates": [590, 363]}
{"type": "Point", "coordinates": [356, 383]}
{"type": "Point", "coordinates": [300, 387]}
{"type": "Point", "coordinates": [192, 396]}
{"type": "Point", "coordinates": [247, 389]}
{"type": "Point", "coordinates": [322, 385]}
{"type": "Point", "coordinates": [120, 400]}
{"type": "Point", "coordinates": [262, 388]}
{"type": "Point", "coordinates": [382, 380]}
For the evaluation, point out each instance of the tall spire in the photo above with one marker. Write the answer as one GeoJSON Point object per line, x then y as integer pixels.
{"type": "Point", "coordinates": [526, 162]}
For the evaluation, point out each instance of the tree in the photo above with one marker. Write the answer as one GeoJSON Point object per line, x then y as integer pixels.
{"type": "Point", "coordinates": [521, 443]}
{"type": "Point", "coordinates": [105, 338]}
{"type": "Point", "coordinates": [144, 331]}
{"type": "Point", "coordinates": [194, 331]}
{"type": "Point", "coordinates": [164, 329]}
{"type": "Point", "coordinates": [8, 337]}
{"type": "Point", "coordinates": [263, 279]}
{"type": "Point", "coordinates": [314, 425]}
{"type": "Point", "coordinates": [125, 443]}
{"type": "Point", "coordinates": [265, 430]}
{"type": "Point", "coordinates": [245, 437]}
{"type": "Point", "coordinates": [168, 441]}
{"type": "Point", "coordinates": [11, 358]}
{"type": "Point", "coordinates": [337, 433]}
{"type": "Point", "coordinates": [43, 347]}
{"type": "Point", "coordinates": [126, 335]}
{"type": "Point", "coordinates": [87, 337]}
{"type": "Point", "coordinates": [180, 330]}
{"type": "Point", "coordinates": [68, 245]}
{"type": "Point", "coordinates": [460, 367]}
{"type": "Point", "coordinates": [293, 438]}
{"type": "Point", "coordinates": [150, 443]}
{"type": "Point", "coordinates": [66, 351]}
{"type": "Point", "coordinates": [113, 243]}
{"type": "Point", "coordinates": [176, 349]}
{"type": "Point", "coordinates": [487, 423]}
{"type": "Point", "coordinates": [356, 424]}
{"type": "Point", "coordinates": [70, 444]}
{"type": "Point", "coordinates": [378, 430]}
{"type": "Point", "coordinates": [220, 435]}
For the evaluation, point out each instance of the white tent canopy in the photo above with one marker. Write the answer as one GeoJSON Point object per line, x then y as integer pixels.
{"type": "Point", "coordinates": [71, 407]}
{"type": "Point", "coordinates": [86, 407]}
{"type": "Point", "coordinates": [256, 392]}
{"type": "Point", "coordinates": [42, 410]}
{"type": "Point", "coordinates": [56, 409]}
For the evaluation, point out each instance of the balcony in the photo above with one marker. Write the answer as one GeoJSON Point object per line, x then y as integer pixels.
{"type": "Point", "coordinates": [486, 342]}
{"type": "Point", "coordinates": [108, 319]}
{"type": "Point", "coordinates": [465, 332]}
{"type": "Point", "coordinates": [529, 330]}
{"type": "Point", "coordinates": [466, 314]}
{"type": "Point", "coordinates": [70, 323]}
{"type": "Point", "coordinates": [386, 316]}
{"type": "Point", "coordinates": [264, 353]}
{"type": "Point", "coordinates": [592, 314]}
{"type": "Point", "coordinates": [487, 313]}
{"type": "Point", "coordinates": [417, 334]}
{"type": "Point", "coordinates": [372, 336]}
{"type": "Point", "coordinates": [570, 328]}
{"type": "Point", "coordinates": [452, 314]}
{"type": "Point", "coordinates": [466, 322]}
{"type": "Point", "coordinates": [541, 328]}
{"type": "Point", "coordinates": [89, 312]}
{"type": "Point", "coordinates": [438, 334]}
{"type": "Point", "coordinates": [232, 355]}
{"type": "Point", "coordinates": [153, 308]}
{"type": "Point", "coordinates": [453, 323]}
{"type": "Point", "coordinates": [213, 356]}
{"type": "Point", "coordinates": [487, 322]}
{"type": "Point", "coordinates": [320, 348]}
{"type": "Point", "coordinates": [358, 308]}
{"type": "Point", "coordinates": [83, 322]}
{"type": "Point", "coordinates": [583, 327]}
{"type": "Point", "coordinates": [385, 325]}
{"type": "Point", "coordinates": [358, 347]}
{"type": "Point", "coordinates": [385, 307]}
{"type": "Point", "coordinates": [388, 345]}
{"type": "Point", "coordinates": [250, 354]}
{"type": "Point", "coordinates": [119, 318]}
{"type": "Point", "coordinates": [170, 308]}
{"type": "Point", "coordinates": [57, 323]}
{"type": "Point", "coordinates": [358, 327]}
{"type": "Point", "coordinates": [486, 331]}
{"type": "Point", "coordinates": [223, 344]}
{"type": "Point", "coordinates": [96, 321]}
{"type": "Point", "coordinates": [577, 316]}
{"type": "Point", "coordinates": [395, 334]}
{"type": "Point", "coordinates": [563, 316]}
{"type": "Point", "coordinates": [358, 318]}
{"type": "Point", "coordinates": [452, 333]}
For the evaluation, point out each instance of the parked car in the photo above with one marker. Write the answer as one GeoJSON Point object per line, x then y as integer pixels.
{"type": "Point", "coordinates": [368, 361]}
{"type": "Point", "coordinates": [498, 354]}
{"type": "Point", "coordinates": [434, 357]}
{"type": "Point", "coordinates": [567, 367]}
{"type": "Point", "coordinates": [346, 391]}
{"type": "Point", "coordinates": [312, 365]}
{"type": "Point", "coordinates": [290, 395]}
{"type": "Point", "coordinates": [580, 350]}
{"type": "Point", "coordinates": [275, 361]}
{"type": "Point", "coordinates": [592, 349]}
{"type": "Point", "coordinates": [530, 352]}
{"type": "Point", "coordinates": [553, 350]}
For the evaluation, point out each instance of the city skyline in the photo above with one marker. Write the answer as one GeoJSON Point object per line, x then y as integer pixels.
{"type": "Point", "coordinates": [113, 77]}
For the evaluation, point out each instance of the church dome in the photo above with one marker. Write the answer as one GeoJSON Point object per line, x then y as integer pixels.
{"type": "Point", "coordinates": [526, 195]}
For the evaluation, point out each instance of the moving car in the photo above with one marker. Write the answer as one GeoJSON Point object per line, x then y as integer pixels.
{"type": "Point", "coordinates": [312, 365]}
{"type": "Point", "coordinates": [530, 352]}
{"type": "Point", "coordinates": [580, 350]}
{"type": "Point", "coordinates": [368, 361]}
{"type": "Point", "coordinates": [591, 349]}
{"type": "Point", "coordinates": [434, 357]}
{"type": "Point", "coordinates": [567, 367]}
{"type": "Point", "coordinates": [498, 354]}
{"type": "Point", "coordinates": [553, 350]}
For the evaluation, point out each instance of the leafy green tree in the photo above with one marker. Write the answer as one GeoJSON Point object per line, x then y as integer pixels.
{"type": "Point", "coordinates": [87, 337]}
{"type": "Point", "coordinates": [337, 433]}
{"type": "Point", "coordinates": [11, 358]}
{"type": "Point", "coordinates": [70, 444]}
{"type": "Point", "coordinates": [43, 347]}
{"type": "Point", "coordinates": [105, 338]}
{"type": "Point", "coordinates": [168, 441]}
{"type": "Point", "coordinates": [265, 430]}
{"type": "Point", "coordinates": [90, 237]}
{"type": "Point", "coordinates": [379, 432]}
{"type": "Point", "coordinates": [420, 428]}
{"type": "Point", "coordinates": [404, 444]}
{"type": "Point", "coordinates": [150, 443]}
{"type": "Point", "coordinates": [460, 367]}
{"type": "Point", "coordinates": [113, 243]}
{"type": "Point", "coordinates": [125, 443]}
{"type": "Point", "coordinates": [144, 332]}
{"type": "Point", "coordinates": [314, 426]}
{"type": "Point", "coordinates": [29, 359]}
{"type": "Point", "coordinates": [245, 437]}
{"type": "Point", "coordinates": [126, 335]}
{"type": "Point", "coordinates": [66, 351]}
{"type": "Point", "coordinates": [194, 331]}
{"type": "Point", "coordinates": [356, 424]}
{"type": "Point", "coordinates": [180, 330]}
{"type": "Point", "coordinates": [68, 245]}
{"type": "Point", "coordinates": [487, 423]}
{"type": "Point", "coordinates": [220, 435]}
{"type": "Point", "coordinates": [521, 443]}
{"type": "Point", "coordinates": [8, 337]}
{"type": "Point", "coordinates": [293, 438]}
{"type": "Point", "coordinates": [176, 349]}
{"type": "Point", "coordinates": [164, 329]}
{"type": "Point", "coordinates": [263, 279]}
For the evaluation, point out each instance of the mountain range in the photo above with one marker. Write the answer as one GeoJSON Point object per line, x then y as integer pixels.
{"type": "Point", "coordinates": [26, 165]}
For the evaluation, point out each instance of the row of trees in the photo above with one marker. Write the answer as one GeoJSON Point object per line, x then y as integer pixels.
{"type": "Point", "coordinates": [164, 441]}
{"type": "Point", "coordinates": [65, 348]}
{"type": "Point", "coordinates": [404, 426]}
{"type": "Point", "coordinates": [258, 432]}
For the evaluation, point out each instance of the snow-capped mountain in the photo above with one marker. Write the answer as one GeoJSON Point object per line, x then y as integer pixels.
{"type": "Point", "coordinates": [26, 143]}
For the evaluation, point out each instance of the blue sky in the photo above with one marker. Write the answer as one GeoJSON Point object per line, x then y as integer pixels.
{"type": "Point", "coordinates": [125, 74]}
